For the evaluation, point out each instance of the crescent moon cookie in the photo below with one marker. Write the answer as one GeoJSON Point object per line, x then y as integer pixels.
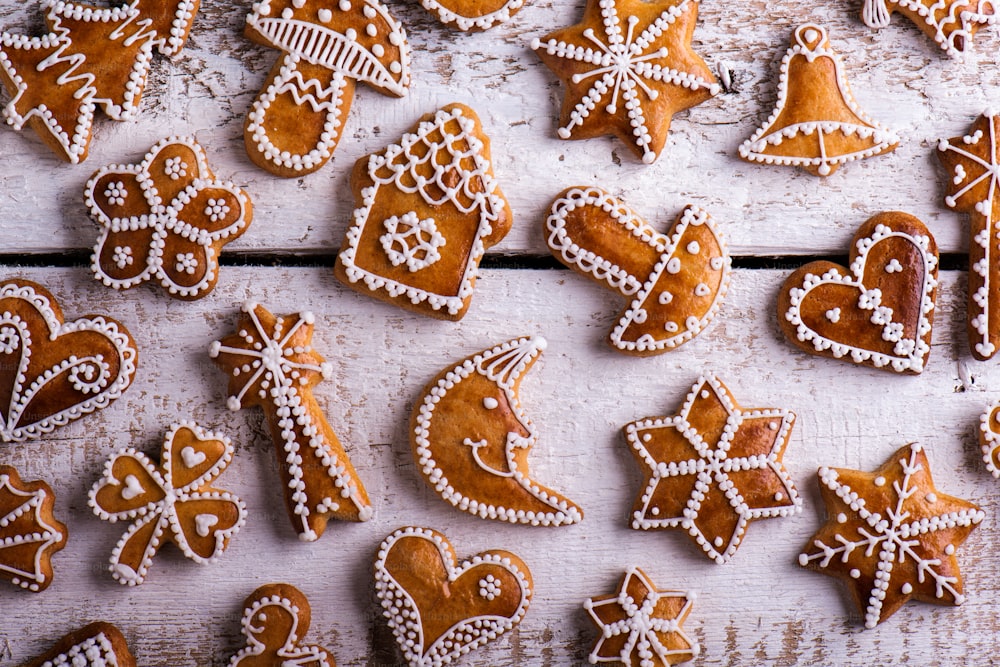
{"type": "Point", "coordinates": [471, 439]}
{"type": "Point", "coordinates": [275, 619]}
{"type": "Point", "coordinates": [439, 609]}
{"type": "Point", "coordinates": [816, 123]}
{"type": "Point", "coordinates": [628, 67]}
{"type": "Point", "coordinates": [172, 501]}
{"type": "Point", "coordinates": [91, 57]}
{"type": "Point", "coordinates": [878, 312]}
{"type": "Point", "coordinates": [472, 15]}
{"type": "Point", "coordinates": [950, 23]}
{"type": "Point", "coordinates": [271, 363]}
{"type": "Point", "coordinates": [29, 531]}
{"type": "Point", "coordinates": [427, 210]}
{"type": "Point", "coordinates": [96, 645]}
{"type": "Point", "coordinates": [675, 282]}
{"type": "Point", "coordinates": [53, 371]}
{"type": "Point", "coordinates": [165, 219]}
{"type": "Point", "coordinates": [891, 535]}
{"type": "Point", "coordinates": [326, 47]}
{"type": "Point", "coordinates": [713, 469]}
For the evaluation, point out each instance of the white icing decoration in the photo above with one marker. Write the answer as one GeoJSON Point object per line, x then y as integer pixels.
{"type": "Point", "coordinates": [216, 209]}
{"type": "Point", "coordinates": [186, 263]}
{"type": "Point", "coordinates": [175, 167]}
{"type": "Point", "coordinates": [490, 403]}
{"type": "Point", "coordinates": [446, 14]}
{"type": "Point", "coordinates": [489, 587]}
{"type": "Point", "coordinates": [42, 534]}
{"type": "Point", "coordinates": [192, 458]}
{"type": "Point", "coordinates": [132, 487]}
{"type": "Point", "coordinates": [893, 266]}
{"type": "Point", "coordinates": [953, 20]}
{"type": "Point", "coordinates": [116, 193]}
{"type": "Point", "coordinates": [96, 651]}
{"type": "Point", "coordinates": [204, 524]}
{"type": "Point", "coordinates": [411, 241]}
{"type": "Point", "coordinates": [122, 256]}
{"type": "Point", "coordinates": [255, 623]}
{"type": "Point", "coordinates": [989, 438]}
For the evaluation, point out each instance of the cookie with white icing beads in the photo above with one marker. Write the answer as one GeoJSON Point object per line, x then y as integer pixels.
{"type": "Point", "coordinates": [950, 23]}
{"type": "Point", "coordinates": [712, 469]}
{"type": "Point", "coordinates": [876, 312]}
{"type": "Point", "coordinates": [472, 15]}
{"type": "Point", "coordinates": [326, 47]}
{"type": "Point", "coordinates": [674, 282]}
{"type": "Point", "coordinates": [275, 621]}
{"type": "Point", "coordinates": [989, 438]}
{"type": "Point", "coordinates": [471, 439]}
{"type": "Point", "coordinates": [96, 645]}
{"type": "Point", "coordinates": [439, 609]}
{"type": "Point", "coordinates": [29, 531]}
{"type": "Point", "coordinates": [170, 501]}
{"type": "Point", "coordinates": [165, 219]}
{"type": "Point", "coordinates": [890, 535]}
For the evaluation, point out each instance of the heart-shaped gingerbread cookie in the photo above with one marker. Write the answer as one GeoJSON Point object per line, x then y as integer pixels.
{"type": "Point", "coordinates": [439, 610]}
{"type": "Point", "coordinates": [51, 371]}
{"type": "Point", "coordinates": [877, 312]}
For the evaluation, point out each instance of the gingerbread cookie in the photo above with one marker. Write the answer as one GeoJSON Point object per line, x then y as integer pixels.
{"type": "Point", "coordinates": [52, 371]}
{"type": "Point", "coordinates": [879, 311]}
{"type": "Point", "coordinates": [712, 469]}
{"type": "Point", "coordinates": [950, 23]}
{"type": "Point", "coordinates": [166, 219]}
{"type": "Point", "coordinates": [891, 535]}
{"type": "Point", "coordinates": [91, 56]}
{"type": "Point", "coordinates": [989, 438]}
{"type": "Point", "coordinates": [641, 53]}
{"type": "Point", "coordinates": [675, 282]}
{"type": "Point", "coordinates": [641, 625]}
{"type": "Point", "coordinates": [472, 15]}
{"type": "Point", "coordinates": [816, 124]}
{"type": "Point", "coordinates": [169, 502]}
{"type": "Point", "coordinates": [275, 619]}
{"type": "Point", "coordinates": [271, 363]}
{"type": "Point", "coordinates": [326, 47]}
{"type": "Point", "coordinates": [439, 609]}
{"type": "Point", "coordinates": [29, 532]}
{"type": "Point", "coordinates": [96, 645]}
{"type": "Point", "coordinates": [471, 439]}
{"type": "Point", "coordinates": [973, 165]}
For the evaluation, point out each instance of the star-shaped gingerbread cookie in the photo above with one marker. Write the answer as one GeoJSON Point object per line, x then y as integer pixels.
{"type": "Point", "coordinates": [628, 68]}
{"type": "Point", "coordinates": [891, 535]}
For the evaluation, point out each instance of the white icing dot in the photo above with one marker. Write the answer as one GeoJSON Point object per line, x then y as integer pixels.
{"type": "Point", "coordinates": [949, 550]}
{"type": "Point", "coordinates": [841, 518]}
{"type": "Point", "coordinates": [704, 393]}
{"type": "Point", "coordinates": [718, 542]}
{"type": "Point", "coordinates": [907, 588]}
{"type": "Point", "coordinates": [855, 573]}
{"type": "Point", "coordinates": [694, 248]}
{"type": "Point", "coordinates": [655, 511]}
{"type": "Point", "coordinates": [833, 315]}
{"type": "Point", "coordinates": [880, 481]}
{"type": "Point", "coordinates": [931, 497]}
{"type": "Point", "coordinates": [773, 426]}
{"type": "Point", "coordinates": [490, 403]}
{"type": "Point", "coordinates": [345, 5]}
{"type": "Point", "coordinates": [286, 13]}
{"type": "Point", "coordinates": [779, 496]}
{"type": "Point", "coordinates": [674, 265]}
{"type": "Point", "coordinates": [665, 297]}
{"type": "Point", "coordinates": [325, 15]}
{"type": "Point", "coordinates": [646, 437]}
{"type": "Point", "coordinates": [371, 30]}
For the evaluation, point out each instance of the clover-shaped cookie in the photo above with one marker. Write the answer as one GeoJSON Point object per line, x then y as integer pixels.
{"type": "Point", "coordinates": [275, 619]}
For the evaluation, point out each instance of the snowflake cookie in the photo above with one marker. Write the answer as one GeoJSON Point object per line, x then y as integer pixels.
{"type": "Point", "coordinates": [271, 363]}
{"type": "Point", "coordinates": [53, 371]}
{"type": "Point", "coordinates": [674, 282]}
{"type": "Point", "coordinates": [29, 532]}
{"type": "Point", "coordinates": [326, 47]}
{"type": "Point", "coordinates": [891, 535]}
{"type": "Point", "coordinates": [816, 123]}
{"type": "Point", "coordinates": [165, 219]}
{"type": "Point", "coordinates": [439, 609]}
{"type": "Point", "coordinates": [172, 501]}
{"type": "Point", "coordinates": [628, 68]}
{"type": "Point", "coordinates": [878, 312]}
{"type": "Point", "coordinates": [91, 56]}
{"type": "Point", "coordinates": [275, 619]}
{"type": "Point", "coordinates": [96, 645]}
{"type": "Point", "coordinates": [641, 625]}
{"type": "Point", "coordinates": [471, 439]}
{"type": "Point", "coordinates": [950, 23]}
{"type": "Point", "coordinates": [712, 469]}
{"type": "Point", "coordinates": [428, 208]}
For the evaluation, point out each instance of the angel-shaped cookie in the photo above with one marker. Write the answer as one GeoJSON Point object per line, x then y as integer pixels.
{"type": "Point", "coordinates": [275, 619]}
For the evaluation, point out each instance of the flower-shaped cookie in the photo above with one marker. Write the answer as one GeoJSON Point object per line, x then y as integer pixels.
{"type": "Point", "coordinates": [165, 219]}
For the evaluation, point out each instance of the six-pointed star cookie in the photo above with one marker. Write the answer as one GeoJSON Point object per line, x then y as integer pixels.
{"type": "Point", "coordinates": [628, 68]}
{"type": "Point", "coordinates": [713, 468]}
{"type": "Point", "coordinates": [891, 535]}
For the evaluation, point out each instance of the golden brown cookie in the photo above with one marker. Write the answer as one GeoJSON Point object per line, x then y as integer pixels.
{"type": "Point", "coordinates": [950, 23]}
{"type": "Point", "coordinates": [96, 645]}
{"type": "Point", "coordinates": [989, 438]}
{"type": "Point", "coordinates": [891, 535]}
{"type": "Point", "coordinates": [172, 501]}
{"type": "Point", "coordinates": [472, 15]}
{"type": "Point", "coordinates": [471, 439]}
{"type": "Point", "coordinates": [816, 123]}
{"type": "Point", "coordinates": [52, 371]}
{"type": "Point", "coordinates": [628, 67]}
{"type": "Point", "coordinates": [712, 469]}
{"type": "Point", "coordinates": [878, 312]}
{"type": "Point", "coordinates": [439, 609]}
{"type": "Point", "coordinates": [428, 207]}
{"type": "Point", "coordinates": [326, 47]}
{"type": "Point", "coordinates": [275, 621]}
{"type": "Point", "coordinates": [271, 363]}
{"type": "Point", "coordinates": [29, 531]}
{"type": "Point", "coordinates": [675, 282]}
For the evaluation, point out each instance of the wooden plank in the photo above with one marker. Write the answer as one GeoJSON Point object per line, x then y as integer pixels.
{"type": "Point", "coordinates": [761, 607]}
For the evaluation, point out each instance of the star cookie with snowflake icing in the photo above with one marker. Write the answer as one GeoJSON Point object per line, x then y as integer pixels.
{"type": "Point", "coordinates": [950, 23]}
{"type": "Point", "coordinates": [891, 535]}
{"type": "Point", "coordinates": [712, 469]}
{"type": "Point", "coordinates": [628, 68]}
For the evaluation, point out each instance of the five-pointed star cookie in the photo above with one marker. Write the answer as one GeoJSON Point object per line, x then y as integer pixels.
{"type": "Point", "coordinates": [891, 535]}
{"type": "Point", "coordinates": [628, 68]}
{"type": "Point", "coordinates": [713, 468]}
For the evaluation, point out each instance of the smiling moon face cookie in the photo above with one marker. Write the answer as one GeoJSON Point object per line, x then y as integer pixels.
{"type": "Point", "coordinates": [878, 311]}
{"type": "Point", "coordinates": [471, 439]}
{"type": "Point", "coordinates": [275, 620]}
{"type": "Point", "coordinates": [29, 531]}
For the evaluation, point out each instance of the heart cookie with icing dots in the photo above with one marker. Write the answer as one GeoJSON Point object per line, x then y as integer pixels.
{"type": "Point", "coordinates": [52, 371]}
{"type": "Point", "coordinates": [878, 312]}
{"type": "Point", "coordinates": [439, 610]}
